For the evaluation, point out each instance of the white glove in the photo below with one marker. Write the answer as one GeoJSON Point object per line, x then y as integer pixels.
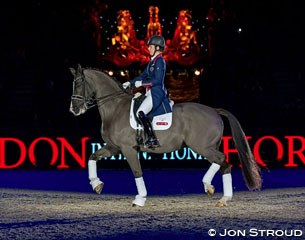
{"type": "Point", "coordinates": [126, 84]}
{"type": "Point", "coordinates": [138, 83]}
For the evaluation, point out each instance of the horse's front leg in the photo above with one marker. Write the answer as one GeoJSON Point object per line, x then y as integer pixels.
{"type": "Point", "coordinates": [134, 163]}
{"type": "Point", "coordinates": [95, 182]}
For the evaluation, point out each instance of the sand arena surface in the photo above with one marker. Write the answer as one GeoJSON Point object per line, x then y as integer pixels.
{"type": "Point", "coordinates": [29, 214]}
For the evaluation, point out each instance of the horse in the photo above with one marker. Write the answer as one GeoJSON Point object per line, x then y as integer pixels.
{"type": "Point", "coordinates": [194, 125]}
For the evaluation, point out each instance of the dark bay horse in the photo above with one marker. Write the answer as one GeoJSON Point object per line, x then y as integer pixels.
{"type": "Point", "coordinates": [194, 125]}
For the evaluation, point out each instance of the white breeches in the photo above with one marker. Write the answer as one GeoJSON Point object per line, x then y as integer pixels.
{"type": "Point", "coordinates": [147, 104]}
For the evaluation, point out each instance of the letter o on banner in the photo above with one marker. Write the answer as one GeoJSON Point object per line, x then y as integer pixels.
{"type": "Point", "coordinates": [53, 146]}
{"type": "Point", "coordinates": [278, 144]}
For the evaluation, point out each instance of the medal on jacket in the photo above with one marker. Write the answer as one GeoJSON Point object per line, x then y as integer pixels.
{"type": "Point", "coordinates": [151, 68]}
{"type": "Point", "coordinates": [153, 62]}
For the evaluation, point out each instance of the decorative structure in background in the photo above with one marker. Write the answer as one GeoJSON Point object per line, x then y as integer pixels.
{"type": "Point", "coordinates": [183, 48]}
{"type": "Point", "coordinates": [154, 27]}
{"type": "Point", "coordinates": [126, 49]}
{"type": "Point", "coordinates": [128, 53]}
{"type": "Point", "coordinates": [122, 51]}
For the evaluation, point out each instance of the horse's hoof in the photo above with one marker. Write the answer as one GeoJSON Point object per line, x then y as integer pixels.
{"type": "Point", "coordinates": [139, 201]}
{"type": "Point", "coordinates": [221, 204]}
{"type": "Point", "coordinates": [98, 189]}
{"type": "Point", "coordinates": [211, 191]}
{"type": "Point", "coordinates": [223, 201]}
{"type": "Point", "coordinates": [138, 204]}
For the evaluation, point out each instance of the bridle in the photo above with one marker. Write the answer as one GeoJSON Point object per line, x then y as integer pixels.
{"type": "Point", "coordinates": [89, 102]}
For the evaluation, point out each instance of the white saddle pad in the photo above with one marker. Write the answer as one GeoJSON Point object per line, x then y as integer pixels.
{"type": "Point", "coordinates": [160, 122]}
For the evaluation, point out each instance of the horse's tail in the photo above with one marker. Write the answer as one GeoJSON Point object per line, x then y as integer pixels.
{"type": "Point", "coordinates": [250, 168]}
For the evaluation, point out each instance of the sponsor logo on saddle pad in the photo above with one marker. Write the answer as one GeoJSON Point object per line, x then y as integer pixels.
{"type": "Point", "coordinates": [160, 122]}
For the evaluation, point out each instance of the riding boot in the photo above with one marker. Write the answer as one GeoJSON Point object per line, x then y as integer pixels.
{"type": "Point", "coordinates": [152, 141]}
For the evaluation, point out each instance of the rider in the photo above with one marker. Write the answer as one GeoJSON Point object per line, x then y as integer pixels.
{"type": "Point", "coordinates": [152, 78]}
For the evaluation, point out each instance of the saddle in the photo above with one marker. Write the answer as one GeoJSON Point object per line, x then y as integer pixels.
{"type": "Point", "coordinates": [159, 122]}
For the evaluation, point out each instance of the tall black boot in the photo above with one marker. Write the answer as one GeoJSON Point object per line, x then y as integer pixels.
{"type": "Point", "coordinates": [152, 141]}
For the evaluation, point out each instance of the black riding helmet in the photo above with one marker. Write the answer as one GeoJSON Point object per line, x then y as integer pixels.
{"type": "Point", "coordinates": [157, 41]}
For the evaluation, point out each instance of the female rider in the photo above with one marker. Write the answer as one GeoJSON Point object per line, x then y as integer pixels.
{"type": "Point", "coordinates": [152, 78]}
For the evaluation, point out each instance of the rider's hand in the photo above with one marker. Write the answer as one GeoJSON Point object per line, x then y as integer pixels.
{"type": "Point", "coordinates": [126, 84]}
{"type": "Point", "coordinates": [138, 84]}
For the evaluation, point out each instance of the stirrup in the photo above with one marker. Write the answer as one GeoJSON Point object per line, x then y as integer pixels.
{"type": "Point", "coordinates": [151, 143]}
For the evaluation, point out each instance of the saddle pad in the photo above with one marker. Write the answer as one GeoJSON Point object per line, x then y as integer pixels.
{"type": "Point", "coordinates": [160, 122]}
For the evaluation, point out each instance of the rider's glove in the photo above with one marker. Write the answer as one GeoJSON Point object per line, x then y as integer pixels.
{"type": "Point", "coordinates": [138, 84]}
{"type": "Point", "coordinates": [126, 84]}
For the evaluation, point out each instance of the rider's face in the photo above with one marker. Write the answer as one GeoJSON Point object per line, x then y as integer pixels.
{"type": "Point", "coordinates": [151, 49]}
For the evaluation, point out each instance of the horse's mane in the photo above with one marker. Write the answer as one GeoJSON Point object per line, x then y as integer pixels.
{"type": "Point", "coordinates": [119, 84]}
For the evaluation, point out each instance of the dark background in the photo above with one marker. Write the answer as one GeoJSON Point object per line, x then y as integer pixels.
{"type": "Point", "coordinates": [257, 74]}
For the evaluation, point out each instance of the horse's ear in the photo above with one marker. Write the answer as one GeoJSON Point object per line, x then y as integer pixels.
{"type": "Point", "coordinates": [79, 69]}
{"type": "Point", "coordinates": [72, 70]}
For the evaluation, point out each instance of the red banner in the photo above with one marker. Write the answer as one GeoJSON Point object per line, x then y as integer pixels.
{"type": "Point", "coordinates": [287, 151]}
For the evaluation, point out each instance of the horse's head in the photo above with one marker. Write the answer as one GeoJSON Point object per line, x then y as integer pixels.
{"type": "Point", "coordinates": [82, 96]}
{"type": "Point", "coordinates": [93, 87]}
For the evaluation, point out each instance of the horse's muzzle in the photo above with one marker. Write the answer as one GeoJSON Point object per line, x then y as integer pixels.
{"type": "Point", "coordinates": [76, 111]}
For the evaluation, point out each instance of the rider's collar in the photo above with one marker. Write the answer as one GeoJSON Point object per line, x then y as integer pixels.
{"type": "Point", "coordinates": [155, 57]}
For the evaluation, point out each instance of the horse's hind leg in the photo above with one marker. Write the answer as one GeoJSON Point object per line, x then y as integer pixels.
{"type": "Point", "coordinates": [95, 182]}
{"type": "Point", "coordinates": [225, 169]}
{"type": "Point", "coordinates": [208, 177]}
{"type": "Point", "coordinates": [216, 158]}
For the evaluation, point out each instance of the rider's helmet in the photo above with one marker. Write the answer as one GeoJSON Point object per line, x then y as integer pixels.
{"type": "Point", "coordinates": [157, 41]}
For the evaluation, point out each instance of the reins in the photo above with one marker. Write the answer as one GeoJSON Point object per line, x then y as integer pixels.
{"type": "Point", "coordinates": [102, 100]}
